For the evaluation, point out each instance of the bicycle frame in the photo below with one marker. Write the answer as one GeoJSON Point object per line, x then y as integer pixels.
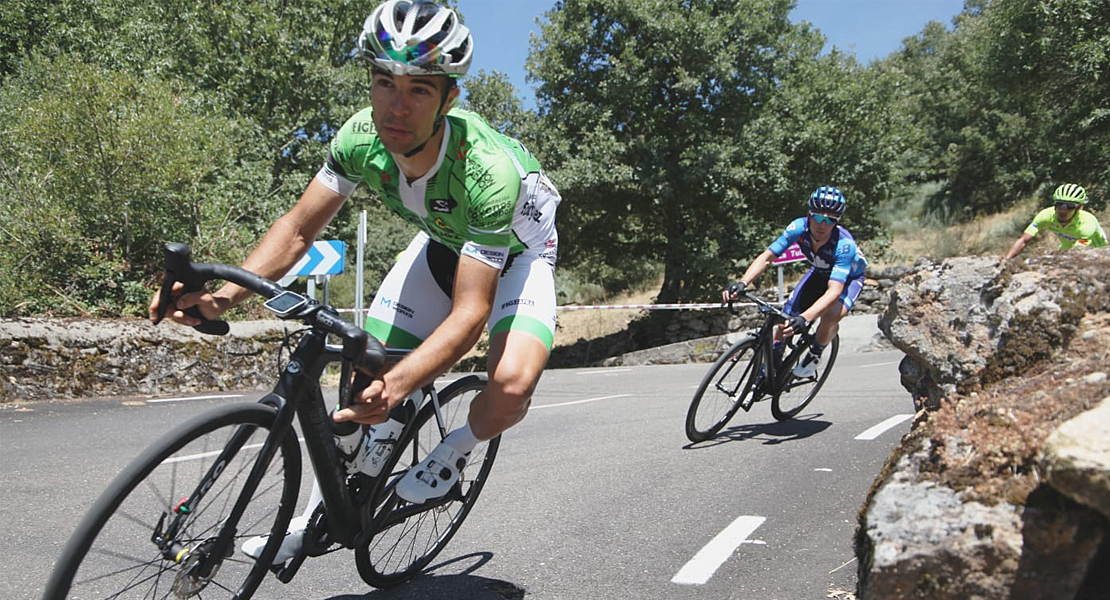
{"type": "Point", "coordinates": [255, 449]}
{"type": "Point", "coordinates": [296, 392]}
{"type": "Point", "coordinates": [775, 379]}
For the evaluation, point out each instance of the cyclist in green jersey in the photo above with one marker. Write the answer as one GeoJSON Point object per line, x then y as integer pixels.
{"type": "Point", "coordinates": [1066, 218]}
{"type": "Point", "coordinates": [484, 256]}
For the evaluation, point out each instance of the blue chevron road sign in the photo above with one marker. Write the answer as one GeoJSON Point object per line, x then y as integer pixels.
{"type": "Point", "coordinates": [323, 258]}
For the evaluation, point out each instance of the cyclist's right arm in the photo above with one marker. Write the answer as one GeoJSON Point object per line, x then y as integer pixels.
{"type": "Point", "coordinates": [283, 245]}
{"type": "Point", "coordinates": [1041, 219]}
{"type": "Point", "coordinates": [767, 257]}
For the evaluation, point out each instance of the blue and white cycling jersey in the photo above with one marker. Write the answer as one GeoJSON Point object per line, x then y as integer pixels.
{"type": "Point", "coordinates": [839, 257]}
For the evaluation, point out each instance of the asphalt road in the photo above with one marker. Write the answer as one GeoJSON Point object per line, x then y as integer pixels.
{"type": "Point", "coordinates": [596, 494]}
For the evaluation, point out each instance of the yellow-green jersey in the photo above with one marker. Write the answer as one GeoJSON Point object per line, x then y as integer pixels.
{"type": "Point", "coordinates": [1083, 229]}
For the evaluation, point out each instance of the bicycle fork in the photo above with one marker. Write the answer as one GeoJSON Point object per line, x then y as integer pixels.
{"type": "Point", "coordinates": [201, 560]}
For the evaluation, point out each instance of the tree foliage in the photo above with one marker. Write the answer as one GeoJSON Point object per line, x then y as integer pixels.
{"type": "Point", "coordinates": [688, 133]}
{"type": "Point", "coordinates": [682, 134]}
{"type": "Point", "coordinates": [100, 168]}
{"type": "Point", "coordinates": [1013, 101]}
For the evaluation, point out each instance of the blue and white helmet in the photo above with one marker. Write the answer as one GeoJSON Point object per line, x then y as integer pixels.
{"type": "Point", "coordinates": [827, 199]}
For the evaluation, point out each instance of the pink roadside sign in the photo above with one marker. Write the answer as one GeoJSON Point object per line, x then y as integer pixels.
{"type": "Point", "coordinates": [792, 254]}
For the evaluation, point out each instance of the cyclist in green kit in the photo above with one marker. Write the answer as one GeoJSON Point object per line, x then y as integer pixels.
{"type": "Point", "coordinates": [1066, 219]}
{"type": "Point", "coordinates": [484, 256]}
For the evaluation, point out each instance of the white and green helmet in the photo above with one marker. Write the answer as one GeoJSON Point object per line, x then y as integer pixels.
{"type": "Point", "coordinates": [416, 37]}
{"type": "Point", "coordinates": [1070, 192]}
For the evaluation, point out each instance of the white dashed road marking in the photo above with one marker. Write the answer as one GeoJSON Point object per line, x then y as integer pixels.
{"type": "Point", "coordinates": [881, 428]}
{"type": "Point", "coordinates": [193, 398]}
{"type": "Point", "coordinates": [716, 552]}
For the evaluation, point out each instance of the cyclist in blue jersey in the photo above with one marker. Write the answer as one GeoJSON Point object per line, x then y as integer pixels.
{"type": "Point", "coordinates": [830, 288]}
{"type": "Point", "coordinates": [484, 256]}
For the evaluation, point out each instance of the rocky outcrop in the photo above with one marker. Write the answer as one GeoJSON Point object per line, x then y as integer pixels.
{"type": "Point", "coordinates": [1002, 487]}
{"type": "Point", "coordinates": [972, 321]}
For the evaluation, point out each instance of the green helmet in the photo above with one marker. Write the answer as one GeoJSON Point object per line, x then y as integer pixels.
{"type": "Point", "coordinates": [1070, 192]}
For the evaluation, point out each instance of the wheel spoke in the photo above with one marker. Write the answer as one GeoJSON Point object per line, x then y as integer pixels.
{"type": "Point", "coordinates": [112, 554]}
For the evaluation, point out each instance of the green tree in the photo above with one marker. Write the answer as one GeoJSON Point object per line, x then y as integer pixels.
{"type": "Point", "coordinates": [827, 124]}
{"type": "Point", "coordinates": [1052, 59]}
{"type": "Point", "coordinates": [493, 96]}
{"type": "Point", "coordinates": [99, 169]}
{"type": "Point", "coordinates": [1012, 101]}
{"type": "Point", "coordinates": [687, 133]}
{"type": "Point", "coordinates": [281, 65]}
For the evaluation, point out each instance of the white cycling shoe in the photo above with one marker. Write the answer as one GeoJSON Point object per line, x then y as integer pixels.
{"type": "Point", "coordinates": [294, 538]}
{"type": "Point", "coordinates": [433, 477]}
{"type": "Point", "coordinates": [808, 365]}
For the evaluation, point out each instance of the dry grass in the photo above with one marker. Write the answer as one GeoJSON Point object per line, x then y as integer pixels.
{"type": "Point", "coordinates": [574, 325]}
{"type": "Point", "coordinates": [986, 235]}
{"type": "Point", "coordinates": [991, 234]}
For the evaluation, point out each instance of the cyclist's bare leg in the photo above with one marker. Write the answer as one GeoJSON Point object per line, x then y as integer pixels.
{"type": "Point", "coordinates": [830, 323]}
{"type": "Point", "coordinates": [516, 361]}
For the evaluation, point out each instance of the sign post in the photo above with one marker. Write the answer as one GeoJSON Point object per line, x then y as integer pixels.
{"type": "Point", "coordinates": [792, 254]}
{"type": "Point", "coordinates": [323, 259]}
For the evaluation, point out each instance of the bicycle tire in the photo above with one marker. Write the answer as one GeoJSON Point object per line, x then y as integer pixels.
{"type": "Point", "coordinates": [723, 390]}
{"type": "Point", "coordinates": [408, 538]}
{"type": "Point", "coordinates": [798, 392]}
{"type": "Point", "coordinates": [112, 554]}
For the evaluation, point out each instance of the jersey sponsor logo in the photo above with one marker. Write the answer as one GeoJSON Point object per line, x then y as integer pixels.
{"type": "Point", "coordinates": [362, 127]}
{"type": "Point", "coordinates": [484, 254]}
{"type": "Point", "coordinates": [487, 212]}
{"type": "Point", "coordinates": [483, 182]}
{"type": "Point", "coordinates": [479, 175]}
{"type": "Point", "coordinates": [445, 230]}
{"type": "Point", "coordinates": [442, 205]}
{"type": "Point", "coordinates": [518, 302]}
{"type": "Point", "coordinates": [530, 211]}
{"type": "Point", "coordinates": [397, 307]}
{"type": "Point", "coordinates": [1065, 236]}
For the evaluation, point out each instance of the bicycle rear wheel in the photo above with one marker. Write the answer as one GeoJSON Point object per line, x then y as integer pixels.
{"type": "Point", "coordinates": [723, 390]}
{"type": "Point", "coordinates": [800, 391]}
{"type": "Point", "coordinates": [113, 553]}
{"type": "Point", "coordinates": [409, 536]}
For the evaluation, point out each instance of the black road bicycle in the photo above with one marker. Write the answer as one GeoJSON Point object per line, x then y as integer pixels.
{"type": "Point", "coordinates": [750, 371]}
{"type": "Point", "coordinates": [171, 523]}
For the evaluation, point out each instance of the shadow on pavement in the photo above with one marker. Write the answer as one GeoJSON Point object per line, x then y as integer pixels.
{"type": "Point", "coordinates": [775, 432]}
{"type": "Point", "coordinates": [449, 580]}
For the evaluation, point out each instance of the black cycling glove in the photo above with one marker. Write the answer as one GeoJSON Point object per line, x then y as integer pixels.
{"type": "Point", "coordinates": [798, 323]}
{"type": "Point", "coordinates": [737, 287]}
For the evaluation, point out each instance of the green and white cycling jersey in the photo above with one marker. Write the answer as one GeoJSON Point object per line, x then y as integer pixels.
{"type": "Point", "coordinates": [486, 196]}
{"type": "Point", "coordinates": [1083, 228]}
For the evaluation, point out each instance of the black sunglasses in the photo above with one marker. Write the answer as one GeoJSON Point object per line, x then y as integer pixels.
{"type": "Point", "coordinates": [1067, 205]}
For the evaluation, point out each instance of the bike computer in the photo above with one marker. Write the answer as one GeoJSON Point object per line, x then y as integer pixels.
{"type": "Point", "coordinates": [285, 303]}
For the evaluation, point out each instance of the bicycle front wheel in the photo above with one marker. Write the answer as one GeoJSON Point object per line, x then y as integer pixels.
{"type": "Point", "coordinates": [408, 537]}
{"type": "Point", "coordinates": [723, 390]}
{"type": "Point", "coordinates": [126, 546]}
{"type": "Point", "coordinates": [800, 391]}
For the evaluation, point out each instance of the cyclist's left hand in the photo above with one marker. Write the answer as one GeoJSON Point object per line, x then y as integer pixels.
{"type": "Point", "coordinates": [796, 324]}
{"type": "Point", "coordinates": [733, 291]}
